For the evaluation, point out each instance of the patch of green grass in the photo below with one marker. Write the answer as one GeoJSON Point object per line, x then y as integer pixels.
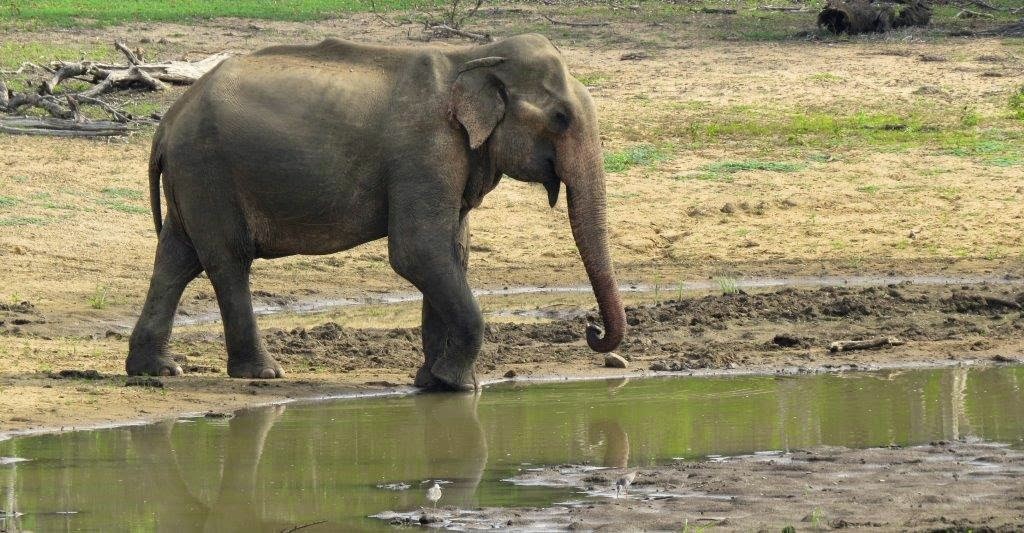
{"type": "Point", "coordinates": [592, 79]}
{"type": "Point", "coordinates": [18, 220]}
{"type": "Point", "coordinates": [731, 167]}
{"type": "Point", "coordinates": [727, 285]}
{"type": "Point", "coordinates": [141, 109]}
{"type": "Point", "coordinates": [122, 192]}
{"type": "Point", "coordinates": [99, 299]}
{"type": "Point", "coordinates": [724, 171]}
{"type": "Point", "coordinates": [643, 154]}
{"type": "Point", "coordinates": [1017, 103]}
{"type": "Point", "coordinates": [104, 12]}
{"type": "Point", "coordinates": [826, 77]}
{"type": "Point", "coordinates": [868, 189]}
{"type": "Point", "coordinates": [13, 54]}
{"type": "Point", "coordinates": [8, 201]}
{"type": "Point", "coordinates": [118, 205]}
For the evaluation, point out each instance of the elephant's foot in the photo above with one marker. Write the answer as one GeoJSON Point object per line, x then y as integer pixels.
{"type": "Point", "coordinates": [261, 367]}
{"type": "Point", "coordinates": [445, 376]}
{"type": "Point", "coordinates": [151, 365]}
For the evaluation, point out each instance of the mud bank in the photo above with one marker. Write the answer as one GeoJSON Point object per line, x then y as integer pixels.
{"type": "Point", "coordinates": [943, 486]}
{"type": "Point", "coordinates": [787, 330]}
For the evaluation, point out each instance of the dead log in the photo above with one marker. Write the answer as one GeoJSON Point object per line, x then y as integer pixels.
{"type": "Point", "coordinates": [66, 70]}
{"type": "Point", "coordinates": [867, 16]}
{"type": "Point", "coordinates": [45, 102]}
{"type": "Point", "coordinates": [5, 96]}
{"type": "Point", "coordinates": [123, 79]}
{"type": "Point", "coordinates": [870, 344]}
{"type": "Point", "coordinates": [61, 127]}
{"type": "Point", "coordinates": [132, 58]}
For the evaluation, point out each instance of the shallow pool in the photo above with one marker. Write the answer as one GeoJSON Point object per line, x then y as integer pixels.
{"type": "Point", "coordinates": [338, 462]}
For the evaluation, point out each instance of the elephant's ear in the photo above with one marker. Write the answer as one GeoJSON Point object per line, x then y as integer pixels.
{"type": "Point", "coordinates": [476, 99]}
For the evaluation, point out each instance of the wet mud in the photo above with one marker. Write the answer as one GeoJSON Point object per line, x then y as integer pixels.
{"type": "Point", "coordinates": [787, 326]}
{"type": "Point", "coordinates": [943, 486]}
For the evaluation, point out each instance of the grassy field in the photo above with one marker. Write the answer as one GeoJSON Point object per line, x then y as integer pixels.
{"type": "Point", "coordinates": [749, 23]}
{"type": "Point", "coordinates": [100, 12]}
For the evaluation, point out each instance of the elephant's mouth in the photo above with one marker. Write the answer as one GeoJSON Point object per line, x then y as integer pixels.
{"type": "Point", "coordinates": [553, 184]}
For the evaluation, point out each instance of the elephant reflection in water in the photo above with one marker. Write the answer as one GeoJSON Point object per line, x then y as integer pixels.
{"type": "Point", "coordinates": [235, 507]}
{"type": "Point", "coordinates": [455, 446]}
{"type": "Point", "coordinates": [616, 449]}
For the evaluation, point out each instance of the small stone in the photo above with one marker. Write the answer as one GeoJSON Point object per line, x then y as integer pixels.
{"type": "Point", "coordinates": [511, 374]}
{"type": "Point", "coordinates": [659, 366]}
{"type": "Point", "coordinates": [728, 208]}
{"type": "Point", "coordinates": [614, 360]}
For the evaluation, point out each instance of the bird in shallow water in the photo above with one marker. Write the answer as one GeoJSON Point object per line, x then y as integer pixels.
{"type": "Point", "coordinates": [623, 483]}
{"type": "Point", "coordinates": [434, 493]}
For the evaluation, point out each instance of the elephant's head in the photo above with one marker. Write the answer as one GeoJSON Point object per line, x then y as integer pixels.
{"type": "Point", "coordinates": [520, 107]}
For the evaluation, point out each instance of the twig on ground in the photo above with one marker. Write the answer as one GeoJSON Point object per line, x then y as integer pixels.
{"type": "Point", "coordinates": [444, 30]}
{"type": "Point", "coordinates": [574, 24]}
{"type": "Point", "coordinates": [968, 14]}
{"type": "Point", "coordinates": [25, 65]}
{"type": "Point", "coordinates": [782, 8]}
{"type": "Point", "coordinates": [719, 10]}
{"type": "Point", "coordinates": [303, 526]}
{"type": "Point", "coordinates": [373, 9]}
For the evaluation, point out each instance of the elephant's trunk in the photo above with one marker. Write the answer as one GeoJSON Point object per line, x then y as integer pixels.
{"type": "Point", "coordinates": [586, 196]}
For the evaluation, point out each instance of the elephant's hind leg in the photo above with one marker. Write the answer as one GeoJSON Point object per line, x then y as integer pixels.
{"type": "Point", "coordinates": [175, 266]}
{"type": "Point", "coordinates": [247, 357]}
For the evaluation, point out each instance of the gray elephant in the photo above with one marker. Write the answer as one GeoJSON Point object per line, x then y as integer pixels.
{"type": "Point", "coordinates": [317, 149]}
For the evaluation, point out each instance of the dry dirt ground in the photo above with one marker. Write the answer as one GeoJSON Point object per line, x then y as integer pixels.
{"type": "Point", "coordinates": [728, 157]}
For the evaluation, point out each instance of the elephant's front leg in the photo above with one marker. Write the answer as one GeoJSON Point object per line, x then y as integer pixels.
{"type": "Point", "coordinates": [427, 249]}
{"type": "Point", "coordinates": [435, 331]}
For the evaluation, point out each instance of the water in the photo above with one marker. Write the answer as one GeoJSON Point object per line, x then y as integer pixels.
{"type": "Point", "coordinates": [274, 468]}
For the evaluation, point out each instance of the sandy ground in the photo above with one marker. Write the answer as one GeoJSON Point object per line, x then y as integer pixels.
{"type": "Point", "coordinates": [944, 486]}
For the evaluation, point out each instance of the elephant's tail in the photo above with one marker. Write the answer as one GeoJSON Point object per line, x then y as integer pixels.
{"type": "Point", "coordinates": [155, 162]}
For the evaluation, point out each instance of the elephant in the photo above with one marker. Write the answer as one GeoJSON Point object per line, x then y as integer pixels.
{"type": "Point", "coordinates": [315, 149]}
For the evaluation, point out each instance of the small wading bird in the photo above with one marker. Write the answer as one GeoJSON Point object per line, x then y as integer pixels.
{"type": "Point", "coordinates": [623, 483]}
{"type": "Point", "coordinates": [434, 493]}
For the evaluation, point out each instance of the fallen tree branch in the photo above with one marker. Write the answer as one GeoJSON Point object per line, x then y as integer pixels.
{"type": "Point", "coordinates": [45, 102]}
{"type": "Point", "coordinates": [132, 58]}
{"type": "Point", "coordinates": [61, 127]}
{"type": "Point", "coordinates": [871, 344]}
{"type": "Point", "coordinates": [574, 24]}
{"type": "Point", "coordinates": [116, 114]}
{"type": "Point", "coordinates": [718, 10]}
{"type": "Point", "coordinates": [106, 77]}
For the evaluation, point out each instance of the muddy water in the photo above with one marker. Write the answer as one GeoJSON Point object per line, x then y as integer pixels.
{"type": "Point", "coordinates": [339, 461]}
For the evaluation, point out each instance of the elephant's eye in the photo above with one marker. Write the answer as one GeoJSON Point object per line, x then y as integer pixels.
{"type": "Point", "coordinates": [560, 122]}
